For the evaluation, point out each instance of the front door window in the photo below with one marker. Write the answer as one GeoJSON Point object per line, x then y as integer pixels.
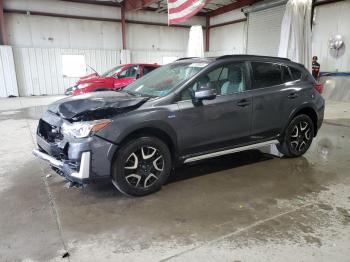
{"type": "Point", "coordinates": [132, 71]}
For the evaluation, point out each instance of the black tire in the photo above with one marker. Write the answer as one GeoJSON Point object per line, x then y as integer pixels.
{"type": "Point", "coordinates": [297, 137]}
{"type": "Point", "coordinates": [141, 166]}
{"type": "Point", "coordinates": [101, 89]}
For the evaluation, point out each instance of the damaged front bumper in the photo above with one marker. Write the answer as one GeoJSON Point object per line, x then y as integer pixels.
{"type": "Point", "coordinates": [81, 177]}
{"type": "Point", "coordinates": [79, 160]}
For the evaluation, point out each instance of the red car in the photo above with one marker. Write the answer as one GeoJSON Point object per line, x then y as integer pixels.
{"type": "Point", "coordinates": [116, 78]}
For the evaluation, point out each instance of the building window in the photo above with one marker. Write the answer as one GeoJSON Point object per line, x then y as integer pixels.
{"type": "Point", "coordinates": [73, 65]}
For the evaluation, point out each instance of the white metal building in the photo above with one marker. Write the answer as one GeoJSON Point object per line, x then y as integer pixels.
{"type": "Point", "coordinates": [39, 32]}
{"type": "Point", "coordinates": [252, 154]}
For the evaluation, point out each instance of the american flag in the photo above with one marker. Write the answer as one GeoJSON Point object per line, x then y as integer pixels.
{"type": "Point", "coordinates": [182, 10]}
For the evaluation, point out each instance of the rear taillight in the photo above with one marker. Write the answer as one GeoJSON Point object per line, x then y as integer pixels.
{"type": "Point", "coordinates": [318, 88]}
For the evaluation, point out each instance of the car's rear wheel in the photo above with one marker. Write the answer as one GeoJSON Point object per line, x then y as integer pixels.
{"type": "Point", "coordinates": [141, 166]}
{"type": "Point", "coordinates": [297, 137]}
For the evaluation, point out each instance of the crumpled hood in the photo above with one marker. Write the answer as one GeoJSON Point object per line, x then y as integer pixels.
{"type": "Point", "coordinates": [74, 106]}
{"type": "Point", "coordinates": [95, 79]}
{"type": "Point", "coordinates": [87, 78]}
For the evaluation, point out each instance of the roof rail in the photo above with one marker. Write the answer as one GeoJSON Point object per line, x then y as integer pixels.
{"type": "Point", "coordinates": [184, 58]}
{"type": "Point", "coordinates": [252, 56]}
{"type": "Point", "coordinates": [225, 56]}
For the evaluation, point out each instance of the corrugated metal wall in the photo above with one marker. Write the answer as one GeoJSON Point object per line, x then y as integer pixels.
{"type": "Point", "coordinates": [228, 39]}
{"type": "Point", "coordinates": [39, 70]}
{"type": "Point", "coordinates": [39, 41]}
{"type": "Point", "coordinates": [264, 31]}
{"type": "Point", "coordinates": [8, 81]}
{"type": "Point", "coordinates": [58, 32]}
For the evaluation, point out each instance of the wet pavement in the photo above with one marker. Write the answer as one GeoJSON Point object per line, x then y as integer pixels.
{"type": "Point", "coordinates": [247, 206]}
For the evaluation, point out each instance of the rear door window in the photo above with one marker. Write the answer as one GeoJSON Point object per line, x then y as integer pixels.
{"type": "Point", "coordinates": [266, 74]}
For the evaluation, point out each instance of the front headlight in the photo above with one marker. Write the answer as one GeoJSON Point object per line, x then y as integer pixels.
{"type": "Point", "coordinates": [83, 129]}
{"type": "Point", "coordinates": [81, 86]}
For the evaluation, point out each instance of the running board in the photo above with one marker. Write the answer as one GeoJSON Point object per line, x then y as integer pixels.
{"type": "Point", "coordinates": [233, 150]}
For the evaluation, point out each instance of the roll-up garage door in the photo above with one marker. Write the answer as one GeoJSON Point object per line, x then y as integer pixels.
{"type": "Point", "coordinates": [264, 30]}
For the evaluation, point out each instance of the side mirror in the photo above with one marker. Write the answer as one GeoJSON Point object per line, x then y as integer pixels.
{"type": "Point", "coordinates": [137, 75]}
{"type": "Point", "coordinates": [205, 93]}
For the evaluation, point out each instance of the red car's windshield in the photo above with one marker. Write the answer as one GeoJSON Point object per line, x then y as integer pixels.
{"type": "Point", "coordinates": [112, 71]}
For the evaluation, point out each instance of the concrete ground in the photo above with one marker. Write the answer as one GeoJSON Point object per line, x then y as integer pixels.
{"type": "Point", "coordinates": [247, 206]}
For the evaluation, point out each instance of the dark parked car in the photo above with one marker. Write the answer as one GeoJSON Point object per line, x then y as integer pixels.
{"type": "Point", "coordinates": [186, 111]}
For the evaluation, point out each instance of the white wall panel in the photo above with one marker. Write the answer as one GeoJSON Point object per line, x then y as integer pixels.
{"type": "Point", "coordinates": [39, 70]}
{"type": "Point", "coordinates": [156, 38]}
{"type": "Point", "coordinates": [329, 20]}
{"type": "Point", "coordinates": [227, 17]}
{"type": "Point", "coordinates": [53, 32]}
{"type": "Point", "coordinates": [151, 57]}
{"type": "Point", "coordinates": [8, 81]}
{"type": "Point", "coordinates": [228, 39]}
{"type": "Point", "coordinates": [64, 7]}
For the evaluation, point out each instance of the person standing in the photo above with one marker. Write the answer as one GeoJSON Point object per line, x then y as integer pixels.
{"type": "Point", "coordinates": [315, 68]}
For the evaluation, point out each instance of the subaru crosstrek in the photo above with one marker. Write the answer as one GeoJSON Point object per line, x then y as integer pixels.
{"type": "Point", "coordinates": [185, 111]}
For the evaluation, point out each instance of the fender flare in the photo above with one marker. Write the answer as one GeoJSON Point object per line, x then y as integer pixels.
{"type": "Point", "coordinates": [149, 126]}
{"type": "Point", "coordinates": [295, 111]}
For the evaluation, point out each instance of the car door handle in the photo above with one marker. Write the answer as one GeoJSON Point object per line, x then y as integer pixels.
{"type": "Point", "coordinates": [292, 95]}
{"type": "Point", "coordinates": [243, 103]}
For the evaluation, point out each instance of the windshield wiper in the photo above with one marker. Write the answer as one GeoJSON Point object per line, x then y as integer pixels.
{"type": "Point", "coordinates": [93, 70]}
{"type": "Point", "coordinates": [128, 92]}
{"type": "Point", "coordinates": [135, 94]}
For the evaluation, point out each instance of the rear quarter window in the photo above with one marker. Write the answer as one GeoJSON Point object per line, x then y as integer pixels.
{"type": "Point", "coordinates": [296, 73]}
{"type": "Point", "coordinates": [287, 77]}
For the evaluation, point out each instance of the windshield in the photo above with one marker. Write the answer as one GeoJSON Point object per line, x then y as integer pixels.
{"type": "Point", "coordinates": [164, 79]}
{"type": "Point", "coordinates": [112, 71]}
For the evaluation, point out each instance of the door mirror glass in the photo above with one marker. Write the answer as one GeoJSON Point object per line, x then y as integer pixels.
{"type": "Point", "coordinates": [204, 93]}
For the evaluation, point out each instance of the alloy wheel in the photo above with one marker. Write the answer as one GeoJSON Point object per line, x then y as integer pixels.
{"type": "Point", "coordinates": [301, 136]}
{"type": "Point", "coordinates": [143, 167]}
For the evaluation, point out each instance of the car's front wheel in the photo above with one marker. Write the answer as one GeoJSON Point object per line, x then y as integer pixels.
{"type": "Point", "coordinates": [141, 166]}
{"type": "Point", "coordinates": [297, 137]}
